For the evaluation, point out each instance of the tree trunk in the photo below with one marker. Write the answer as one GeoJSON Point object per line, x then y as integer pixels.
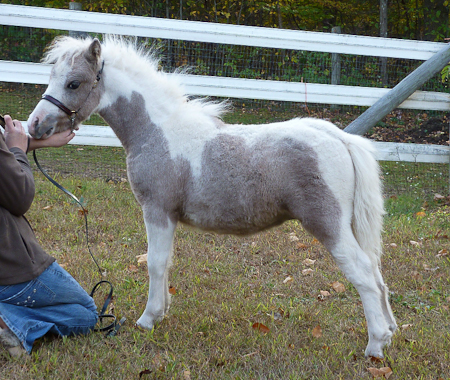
{"type": "Point", "coordinates": [384, 33]}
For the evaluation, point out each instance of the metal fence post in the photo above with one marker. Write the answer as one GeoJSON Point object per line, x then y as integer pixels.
{"type": "Point", "coordinates": [400, 92]}
{"type": "Point", "coordinates": [335, 65]}
{"type": "Point", "coordinates": [335, 61]}
{"type": "Point", "coordinates": [75, 6]}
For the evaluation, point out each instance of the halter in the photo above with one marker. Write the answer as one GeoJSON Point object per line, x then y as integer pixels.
{"type": "Point", "coordinates": [73, 114]}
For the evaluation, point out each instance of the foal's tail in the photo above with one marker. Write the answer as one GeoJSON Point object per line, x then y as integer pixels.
{"type": "Point", "coordinates": [368, 206]}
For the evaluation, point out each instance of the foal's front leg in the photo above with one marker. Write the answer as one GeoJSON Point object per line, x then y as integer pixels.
{"type": "Point", "coordinates": [160, 240]}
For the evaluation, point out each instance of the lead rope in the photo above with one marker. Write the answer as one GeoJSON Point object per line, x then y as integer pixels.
{"type": "Point", "coordinates": [112, 328]}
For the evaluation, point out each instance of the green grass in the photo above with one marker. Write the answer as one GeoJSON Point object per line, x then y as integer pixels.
{"type": "Point", "coordinates": [226, 284]}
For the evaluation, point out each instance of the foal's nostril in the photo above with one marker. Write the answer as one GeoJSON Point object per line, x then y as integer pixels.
{"type": "Point", "coordinates": [36, 122]}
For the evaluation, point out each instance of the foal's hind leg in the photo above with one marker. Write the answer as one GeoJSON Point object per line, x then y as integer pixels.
{"type": "Point", "coordinates": [160, 238]}
{"type": "Point", "coordinates": [360, 271]}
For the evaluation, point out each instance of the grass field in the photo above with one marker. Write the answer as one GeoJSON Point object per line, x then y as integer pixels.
{"type": "Point", "coordinates": [223, 287]}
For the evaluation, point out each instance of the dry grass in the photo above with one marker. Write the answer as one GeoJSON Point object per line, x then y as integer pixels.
{"type": "Point", "coordinates": [224, 285]}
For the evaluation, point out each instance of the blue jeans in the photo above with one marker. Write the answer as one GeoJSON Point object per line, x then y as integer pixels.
{"type": "Point", "coordinates": [53, 302]}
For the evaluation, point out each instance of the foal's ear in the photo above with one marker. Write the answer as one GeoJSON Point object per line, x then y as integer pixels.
{"type": "Point", "coordinates": [94, 51]}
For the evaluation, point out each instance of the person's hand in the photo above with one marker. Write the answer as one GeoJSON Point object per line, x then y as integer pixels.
{"type": "Point", "coordinates": [55, 141]}
{"type": "Point", "coordinates": [15, 135]}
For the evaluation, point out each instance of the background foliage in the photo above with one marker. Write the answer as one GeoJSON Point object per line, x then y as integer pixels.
{"type": "Point", "coordinates": [412, 19]}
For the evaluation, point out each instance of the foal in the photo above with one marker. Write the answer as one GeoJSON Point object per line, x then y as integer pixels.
{"type": "Point", "coordinates": [185, 165]}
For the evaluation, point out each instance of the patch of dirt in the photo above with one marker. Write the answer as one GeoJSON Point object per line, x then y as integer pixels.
{"type": "Point", "coordinates": [401, 128]}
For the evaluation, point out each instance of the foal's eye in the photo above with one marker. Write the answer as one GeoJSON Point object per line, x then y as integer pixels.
{"type": "Point", "coordinates": [73, 85]}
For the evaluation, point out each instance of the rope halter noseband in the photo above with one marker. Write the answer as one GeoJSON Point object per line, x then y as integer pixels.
{"type": "Point", "coordinates": [73, 114]}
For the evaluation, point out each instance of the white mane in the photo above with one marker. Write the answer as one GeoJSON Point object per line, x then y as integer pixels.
{"type": "Point", "coordinates": [140, 61]}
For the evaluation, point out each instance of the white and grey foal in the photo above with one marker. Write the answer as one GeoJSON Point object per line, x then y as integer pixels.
{"type": "Point", "coordinates": [185, 165]}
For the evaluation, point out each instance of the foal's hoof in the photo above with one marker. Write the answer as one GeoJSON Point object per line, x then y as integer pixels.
{"type": "Point", "coordinates": [374, 355]}
{"type": "Point", "coordinates": [374, 352]}
{"type": "Point", "coordinates": [145, 323]}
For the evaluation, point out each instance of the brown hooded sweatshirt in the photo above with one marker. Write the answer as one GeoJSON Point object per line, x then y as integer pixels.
{"type": "Point", "coordinates": [21, 257]}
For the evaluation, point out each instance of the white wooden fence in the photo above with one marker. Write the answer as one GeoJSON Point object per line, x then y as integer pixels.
{"type": "Point", "coordinates": [60, 19]}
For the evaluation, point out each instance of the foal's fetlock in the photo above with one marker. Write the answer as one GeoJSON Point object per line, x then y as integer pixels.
{"type": "Point", "coordinates": [393, 328]}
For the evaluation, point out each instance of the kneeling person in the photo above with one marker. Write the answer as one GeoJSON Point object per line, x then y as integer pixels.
{"type": "Point", "coordinates": [37, 296]}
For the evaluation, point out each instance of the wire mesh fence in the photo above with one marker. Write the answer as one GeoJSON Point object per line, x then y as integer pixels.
{"type": "Point", "coordinates": [28, 45]}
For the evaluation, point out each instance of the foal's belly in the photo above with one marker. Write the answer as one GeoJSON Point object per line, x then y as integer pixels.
{"type": "Point", "coordinates": [227, 219]}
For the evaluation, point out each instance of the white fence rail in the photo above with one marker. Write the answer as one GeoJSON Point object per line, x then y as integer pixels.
{"type": "Point", "coordinates": [104, 136]}
{"type": "Point", "coordinates": [35, 73]}
{"type": "Point", "coordinates": [235, 87]}
{"type": "Point", "coordinates": [62, 19]}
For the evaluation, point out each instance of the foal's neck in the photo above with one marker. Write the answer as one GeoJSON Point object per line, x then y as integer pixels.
{"type": "Point", "coordinates": [130, 121]}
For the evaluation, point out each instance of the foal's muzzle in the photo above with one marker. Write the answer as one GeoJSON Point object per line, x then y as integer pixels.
{"type": "Point", "coordinates": [42, 130]}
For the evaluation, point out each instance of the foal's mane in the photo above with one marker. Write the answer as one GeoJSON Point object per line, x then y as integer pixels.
{"type": "Point", "coordinates": [127, 54]}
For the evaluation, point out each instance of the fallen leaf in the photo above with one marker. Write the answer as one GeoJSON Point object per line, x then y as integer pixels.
{"type": "Point", "coordinates": [287, 280]}
{"type": "Point", "coordinates": [276, 316]}
{"type": "Point", "coordinates": [172, 290]}
{"type": "Point", "coordinates": [323, 294]}
{"type": "Point", "coordinates": [47, 207]}
{"type": "Point", "coordinates": [141, 259]}
{"type": "Point", "coordinates": [415, 243]}
{"type": "Point", "coordinates": [338, 287]}
{"type": "Point", "coordinates": [260, 327]}
{"type": "Point", "coordinates": [133, 268]}
{"type": "Point", "coordinates": [63, 265]}
{"type": "Point", "coordinates": [250, 354]}
{"type": "Point", "coordinates": [385, 372]}
{"type": "Point", "coordinates": [442, 253]}
{"type": "Point", "coordinates": [429, 268]}
{"type": "Point", "coordinates": [316, 332]}
{"type": "Point", "coordinates": [302, 246]}
{"type": "Point", "coordinates": [306, 272]}
{"type": "Point", "coordinates": [144, 372]}
{"type": "Point", "coordinates": [438, 197]}
{"type": "Point", "coordinates": [308, 262]}
{"type": "Point", "coordinates": [407, 326]}
{"type": "Point", "coordinates": [187, 375]}
{"type": "Point", "coordinates": [292, 237]}
{"type": "Point", "coordinates": [420, 214]}
{"type": "Point", "coordinates": [393, 245]}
